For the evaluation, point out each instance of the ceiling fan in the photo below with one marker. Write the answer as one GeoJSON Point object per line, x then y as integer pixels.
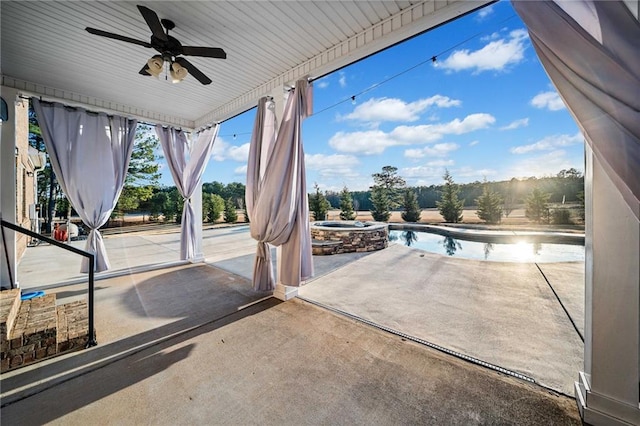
{"type": "Point", "coordinates": [169, 48]}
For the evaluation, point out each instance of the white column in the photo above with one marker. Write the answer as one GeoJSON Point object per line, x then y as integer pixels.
{"type": "Point", "coordinates": [607, 390]}
{"type": "Point", "coordinates": [8, 188]}
{"type": "Point", "coordinates": [281, 291]}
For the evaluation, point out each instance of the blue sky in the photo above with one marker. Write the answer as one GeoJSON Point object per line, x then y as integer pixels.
{"type": "Point", "coordinates": [484, 108]}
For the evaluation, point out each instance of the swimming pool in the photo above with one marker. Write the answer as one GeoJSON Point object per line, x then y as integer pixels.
{"type": "Point", "coordinates": [525, 249]}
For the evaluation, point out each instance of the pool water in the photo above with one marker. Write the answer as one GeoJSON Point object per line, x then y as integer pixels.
{"type": "Point", "coordinates": [525, 251]}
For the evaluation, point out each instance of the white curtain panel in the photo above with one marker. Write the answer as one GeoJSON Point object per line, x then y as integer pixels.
{"type": "Point", "coordinates": [276, 195]}
{"type": "Point", "coordinates": [90, 154]}
{"type": "Point", "coordinates": [591, 52]}
{"type": "Point", "coordinates": [187, 164]}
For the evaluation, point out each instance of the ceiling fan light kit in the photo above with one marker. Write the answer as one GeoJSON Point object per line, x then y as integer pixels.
{"type": "Point", "coordinates": [178, 72]}
{"type": "Point", "coordinates": [154, 66]}
{"type": "Point", "coordinates": [169, 47]}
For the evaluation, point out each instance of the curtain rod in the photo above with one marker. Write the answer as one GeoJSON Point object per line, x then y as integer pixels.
{"type": "Point", "coordinates": [109, 112]}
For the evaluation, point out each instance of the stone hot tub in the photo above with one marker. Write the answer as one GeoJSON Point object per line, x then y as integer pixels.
{"type": "Point", "coordinates": [348, 236]}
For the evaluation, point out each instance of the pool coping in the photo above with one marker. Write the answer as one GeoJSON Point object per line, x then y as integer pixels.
{"type": "Point", "coordinates": [493, 236]}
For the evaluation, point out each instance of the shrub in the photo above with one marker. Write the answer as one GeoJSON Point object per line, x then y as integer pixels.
{"type": "Point", "coordinates": [214, 205]}
{"type": "Point", "coordinates": [561, 217]}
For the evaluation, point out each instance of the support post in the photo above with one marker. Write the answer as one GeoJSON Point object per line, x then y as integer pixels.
{"type": "Point", "coordinates": [8, 189]}
{"type": "Point", "coordinates": [608, 391]}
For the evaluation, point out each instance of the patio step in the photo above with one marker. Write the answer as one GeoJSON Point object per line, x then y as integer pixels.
{"type": "Point", "coordinates": [38, 329]}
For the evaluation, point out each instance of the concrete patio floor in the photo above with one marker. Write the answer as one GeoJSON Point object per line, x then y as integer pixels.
{"type": "Point", "coordinates": [194, 343]}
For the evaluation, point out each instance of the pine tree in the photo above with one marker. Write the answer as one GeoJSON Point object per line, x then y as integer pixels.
{"type": "Point", "coordinates": [381, 204]}
{"type": "Point", "coordinates": [389, 180]}
{"type": "Point", "coordinates": [489, 205]}
{"type": "Point", "coordinates": [412, 210]}
{"type": "Point", "coordinates": [384, 194]}
{"type": "Point", "coordinates": [346, 205]}
{"type": "Point", "coordinates": [450, 206]}
{"type": "Point", "coordinates": [318, 204]}
{"type": "Point", "coordinates": [537, 206]}
{"type": "Point", "coordinates": [230, 214]}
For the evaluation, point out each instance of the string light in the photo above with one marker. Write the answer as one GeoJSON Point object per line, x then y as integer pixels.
{"type": "Point", "coordinates": [433, 59]}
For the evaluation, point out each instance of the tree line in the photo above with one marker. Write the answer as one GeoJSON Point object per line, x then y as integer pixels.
{"type": "Point", "coordinates": [492, 200]}
{"type": "Point", "coordinates": [565, 185]}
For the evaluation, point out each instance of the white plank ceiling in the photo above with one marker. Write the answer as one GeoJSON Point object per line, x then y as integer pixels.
{"type": "Point", "coordinates": [46, 51]}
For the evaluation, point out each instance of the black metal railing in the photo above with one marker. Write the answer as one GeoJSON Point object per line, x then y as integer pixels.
{"type": "Point", "coordinates": [91, 341]}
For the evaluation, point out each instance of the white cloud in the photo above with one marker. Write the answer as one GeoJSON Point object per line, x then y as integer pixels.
{"type": "Point", "coordinates": [242, 170]}
{"type": "Point", "coordinates": [548, 164]}
{"type": "Point", "coordinates": [219, 149]}
{"type": "Point", "coordinates": [332, 165]}
{"type": "Point", "coordinates": [222, 151]}
{"type": "Point", "coordinates": [523, 122]}
{"type": "Point", "coordinates": [366, 143]}
{"type": "Point", "coordinates": [239, 153]}
{"type": "Point", "coordinates": [494, 56]}
{"type": "Point", "coordinates": [549, 100]}
{"type": "Point", "coordinates": [422, 172]}
{"type": "Point", "coordinates": [437, 150]}
{"type": "Point", "coordinates": [440, 163]}
{"type": "Point", "coordinates": [433, 132]}
{"type": "Point", "coordinates": [342, 80]}
{"type": "Point", "coordinates": [492, 36]}
{"type": "Point", "coordinates": [474, 143]}
{"type": "Point", "coordinates": [549, 143]}
{"type": "Point", "coordinates": [469, 173]}
{"type": "Point", "coordinates": [432, 174]}
{"type": "Point", "coordinates": [323, 83]}
{"type": "Point", "coordinates": [484, 12]}
{"type": "Point", "coordinates": [393, 109]}
{"type": "Point", "coordinates": [376, 141]}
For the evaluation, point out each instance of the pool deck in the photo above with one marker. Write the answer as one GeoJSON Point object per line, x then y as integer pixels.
{"type": "Point", "coordinates": [233, 357]}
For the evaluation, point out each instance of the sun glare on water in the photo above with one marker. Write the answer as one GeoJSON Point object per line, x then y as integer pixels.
{"type": "Point", "coordinates": [523, 251]}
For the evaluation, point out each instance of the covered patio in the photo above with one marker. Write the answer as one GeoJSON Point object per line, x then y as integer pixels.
{"type": "Point", "coordinates": [47, 54]}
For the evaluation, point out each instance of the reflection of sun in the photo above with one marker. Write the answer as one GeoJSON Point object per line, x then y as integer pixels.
{"type": "Point", "coordinates": [521, 251]}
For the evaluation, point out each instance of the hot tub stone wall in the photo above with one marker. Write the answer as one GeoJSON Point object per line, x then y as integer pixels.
{"type": "Point", "coordinates": [348, 240]}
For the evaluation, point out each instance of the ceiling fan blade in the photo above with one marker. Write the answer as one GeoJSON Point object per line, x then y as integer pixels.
{"type": "Point", "coordinates": [153, 22]}
{"type": "Point", "coordinates": [117, 37]}
{"type": "Point", "coordinates": [209, 52]}
{"type": "Point", "coordinates": [195, 72]}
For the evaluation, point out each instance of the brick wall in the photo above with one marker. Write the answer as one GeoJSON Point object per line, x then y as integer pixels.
{"type": "Point", "coordinates": [24, 175]}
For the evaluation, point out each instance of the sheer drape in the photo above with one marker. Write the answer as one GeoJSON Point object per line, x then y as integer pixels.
{"type": "Point", "coordinates": [276, 195]}
{"type": "Point", "coordinates": [591, 51]}
{"type": "Point", "coordinates": [187, 164]}
{"type": "Point", "coordinates": [89, 153]}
